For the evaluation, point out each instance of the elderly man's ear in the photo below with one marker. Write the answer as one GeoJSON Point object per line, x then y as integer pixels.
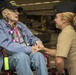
{"type": "Point", "coordinates": [4, 13]}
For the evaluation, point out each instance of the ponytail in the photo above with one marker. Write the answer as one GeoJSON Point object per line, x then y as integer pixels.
{"type": "Point", "coordinates": [74, 21]}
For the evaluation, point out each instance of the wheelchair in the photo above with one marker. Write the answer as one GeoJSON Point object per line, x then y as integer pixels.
{"type": "Point", "coordinates": [9, 72]}
{"type": "Point", "coordinates": [5, 71]}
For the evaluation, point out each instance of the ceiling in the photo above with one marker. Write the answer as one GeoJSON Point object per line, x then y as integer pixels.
{"type": "Point", "coordinates": [38, 7]}
{"type": "Point", "coordinates": [35, 1]}
{"type": "Point", "coordinates": [31, 1]}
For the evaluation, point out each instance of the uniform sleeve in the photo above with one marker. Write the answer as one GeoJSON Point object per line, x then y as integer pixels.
{"type": "Point", "coordinates": [63, 44]}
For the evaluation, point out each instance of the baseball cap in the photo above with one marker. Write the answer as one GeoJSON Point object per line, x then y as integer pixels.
{"type": "Point", "coordinates": [8, 4]}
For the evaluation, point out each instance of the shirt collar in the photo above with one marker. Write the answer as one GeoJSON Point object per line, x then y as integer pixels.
{"type": "Point", "coordinates": [68, 26]}
{"type": "Point", "coordinates": [7, 25]}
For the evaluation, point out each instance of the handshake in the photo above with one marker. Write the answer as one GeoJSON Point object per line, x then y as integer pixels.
{"type": "Point", "coordinates": [37, 46]}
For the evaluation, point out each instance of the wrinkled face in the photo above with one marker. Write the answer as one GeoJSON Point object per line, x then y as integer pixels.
{"type": "Point", "coordinates": [58, 20]}
{"type": "Point", "coordinates": [11, 15]}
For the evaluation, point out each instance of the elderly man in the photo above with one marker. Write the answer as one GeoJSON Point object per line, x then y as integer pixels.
{"type": "Point", "coordinates": [19, 43]}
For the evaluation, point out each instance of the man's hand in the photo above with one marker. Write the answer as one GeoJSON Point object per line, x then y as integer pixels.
{"type": "Point", "coordinates": [35, 49]}
{"type": "Point", "coordinates": [39, 45]}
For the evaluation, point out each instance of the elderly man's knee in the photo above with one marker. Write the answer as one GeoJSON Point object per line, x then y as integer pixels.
{"type": "Point", "coordinates": [37, 55]}
{"type": "Point", "coordinates": [22, 55]}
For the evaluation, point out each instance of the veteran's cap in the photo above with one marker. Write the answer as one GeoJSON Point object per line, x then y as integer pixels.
{"type": "Point", "coordinates": [8, 4]}
{"type": "Point", "coordinates": [65, 7]}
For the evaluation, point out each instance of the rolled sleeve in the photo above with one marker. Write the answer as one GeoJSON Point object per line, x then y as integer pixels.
{"type": "Point", "coordinates": [63, 44]}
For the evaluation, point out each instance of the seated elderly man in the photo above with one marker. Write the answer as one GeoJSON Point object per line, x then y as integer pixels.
{"type": "Point", "coordinates": [20, 43]}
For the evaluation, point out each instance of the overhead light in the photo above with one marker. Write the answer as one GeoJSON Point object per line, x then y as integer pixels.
{"type": "Point", "coordinates": [45, 2]}
{"type": "Point", "coordinates": [30, 4]}
{"type": "Point", "coordinates": [38, 3]}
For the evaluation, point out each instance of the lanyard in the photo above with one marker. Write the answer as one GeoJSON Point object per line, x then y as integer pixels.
{"type": "Point", "coordinates": [17, 34]}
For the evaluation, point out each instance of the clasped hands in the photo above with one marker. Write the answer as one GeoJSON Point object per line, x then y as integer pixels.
{"type": "Point", "coordinates": [37, 46]}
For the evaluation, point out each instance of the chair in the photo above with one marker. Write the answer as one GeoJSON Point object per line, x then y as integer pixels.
{"type": "Point", "coordinates": [50, 70]}
{"type": "Point", "coordinates": [6, 71]}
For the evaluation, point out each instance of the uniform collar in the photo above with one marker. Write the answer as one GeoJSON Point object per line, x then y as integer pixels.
{"type": "Point", "coordinates": [68, 26]}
